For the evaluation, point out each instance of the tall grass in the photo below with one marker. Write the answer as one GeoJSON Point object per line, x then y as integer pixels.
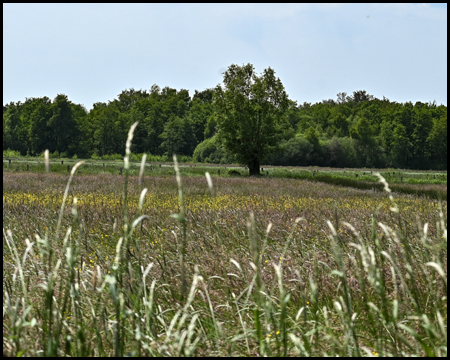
{"type": "Point", "coordinates": [433, 186]}
{"type": "Point", "coordinates": [220, 284]}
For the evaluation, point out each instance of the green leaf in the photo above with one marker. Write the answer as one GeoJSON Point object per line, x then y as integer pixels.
{"type": "Point", "coordinates": [178, 217]}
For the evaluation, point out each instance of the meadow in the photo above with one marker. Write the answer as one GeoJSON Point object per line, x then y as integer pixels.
{"type": "Point", "coordinates": [179, 264]}
{"type": "Point", "coordinates": [417, 182]}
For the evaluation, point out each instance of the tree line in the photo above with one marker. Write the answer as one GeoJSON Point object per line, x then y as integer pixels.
{"type": "Point", "coordinates": [249, 119]}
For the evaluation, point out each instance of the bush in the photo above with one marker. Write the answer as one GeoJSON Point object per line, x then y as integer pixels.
{"type": "Point", "coordinates": [184, 159]}
{"type": "Point", "coordinates": [55, 155]}
{"type": "Point", "coordinates": [294, 152]}
{"type": "Point", "coordinates": [347, 152]}
{"type": "Point", "coordinates": [158, 158]}
{"type": "Point", "coordinates": [234, 173]}
{"type": "Point", "coordinates": [209, 151]}
{"type": "Point", "coordinates": [112, 157]}
{"type": "Point", "coordinates": [95, 155]}
{"type": "Point", "coordinates": [136, 157]}
{"type": "Point", "coordinates": [10, 153]}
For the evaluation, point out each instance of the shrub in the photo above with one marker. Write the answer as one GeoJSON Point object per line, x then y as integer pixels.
{"type": "Point", "coordinates": [185, 159]}
{"type": "Point", "coordinates": [10, 153]}
{"type": "Point", "coordinates": [55, 155]}
{"type": "Point", "coordinates": [95, 155]}
{"type": "Point", "coordinates": [209, 151]}
{"type": "Point", "coordinates": [112, 157]}
{"type": "Point", "coordinates": [234, 173]}
{"type": "Point", "coordinates": [294, 152]}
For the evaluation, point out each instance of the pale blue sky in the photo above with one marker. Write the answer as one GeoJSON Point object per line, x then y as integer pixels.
{"type": "Point", "coordinates": [92, 52]}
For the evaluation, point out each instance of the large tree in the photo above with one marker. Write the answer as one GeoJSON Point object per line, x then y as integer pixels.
{"type": "Point", "coordinates": [251, 114]}
{"type": "Point", "coordinates": [62, 124]}
{"type": "Point", "coordinates": [437, 141]}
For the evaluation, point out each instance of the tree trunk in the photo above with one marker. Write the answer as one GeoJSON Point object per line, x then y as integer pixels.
{"type": "Point", "coordinates": [254, 168]}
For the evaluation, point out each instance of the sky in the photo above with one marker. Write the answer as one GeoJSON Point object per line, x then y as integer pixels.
{"type": "Point", "coordinates": [92, 52]}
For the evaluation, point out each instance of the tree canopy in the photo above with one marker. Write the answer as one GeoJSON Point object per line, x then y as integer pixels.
{"type": "Point", "coordinates": [248, 119]}
{"type": "Point", "coordinates": [250, 114]}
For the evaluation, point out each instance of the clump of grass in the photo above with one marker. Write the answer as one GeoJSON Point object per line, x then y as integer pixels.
{"type": "Point", "coordinates": [234, 271]}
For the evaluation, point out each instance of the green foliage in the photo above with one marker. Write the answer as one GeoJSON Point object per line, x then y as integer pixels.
{"type": "Point", "coordinates": [10, 153]}
{"type": "Point", "coordinates": [400, 146]}
{"type": "Point", "coordinates": [312, 135]}
{"type": "Point", "coordinates": [234, 172]}
{"type": "Point", "coordinates": [112, 157]}
{"type": "Point", "coordinates": [297, 151]}
{"type": "Point", "coordinates": [199, 114]}
{"type": "Point", "coordinates": [252, 117]}
{"type": "Point", "coordinates": [62, 123]}
{"type": "Point", "coordinates": [210, 128]}
{"type": "Point", "coordinates": [158, 158]}
{"type": "Point", "coordinates": [423, 124]}
{"type": "Point", "coordinates": [178, 137]}
{"type": "Point", "coordinates": [211, 151]}
{"type": "Point", "coordinates": [54, 155]}
{"type": "Point", "coordinates": [95, 155]}
{"type": "Point", "coordinates": [437, 142]}
{"type": "Point", "coordinates": [250, 114]}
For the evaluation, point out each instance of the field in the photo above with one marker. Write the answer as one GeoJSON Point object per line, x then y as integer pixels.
{"type": "Point", "coordinates": [277, 265]}
{"type": "Point", "coordinates": [417, 182]}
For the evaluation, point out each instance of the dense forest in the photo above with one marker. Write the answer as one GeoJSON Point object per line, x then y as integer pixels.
{"type": "Point", "coordinates": [356, 130]}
